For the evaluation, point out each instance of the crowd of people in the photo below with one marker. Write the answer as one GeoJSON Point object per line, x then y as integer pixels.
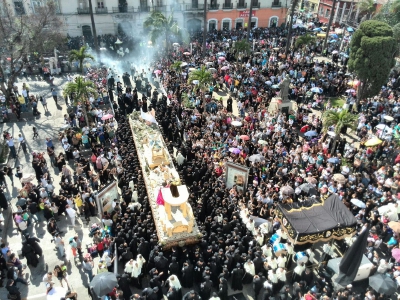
{"type": "Point", "coordinates": [205, 133]}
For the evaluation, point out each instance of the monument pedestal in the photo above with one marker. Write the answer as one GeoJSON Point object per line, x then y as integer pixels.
{"type": "Point", "coordinates": [285, 107]}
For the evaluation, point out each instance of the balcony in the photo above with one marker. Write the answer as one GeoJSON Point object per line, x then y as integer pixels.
{"type": "Point", "coordinates": [213, 7]}
{"type": "Point", "coordinates": [194, 7]}
{"type": "Point", "coordinates": [144, 8]}
{"type": "Point", "coordinates": [227, 5]}
{"type": "Point", "coordinates": [123, 9]}
{"type": "Point", "coordinates": [101, 10]}
{"type": "Point", "coordinates": [241, 5]}
{"type": "Point", "coordinates": [256, 4]}
{"type": "Point", "coordinates": [83, 11]}
{"type": "Point", "coordinates": [161, 8]}
{"type": "Point", "coordinates": [276, 4]}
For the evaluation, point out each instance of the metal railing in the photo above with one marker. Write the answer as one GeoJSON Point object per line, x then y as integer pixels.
{"type": "Point", "coordinates": [83, 11]}
{"type": "Point", "coordinates": [227, 5]}
{"type": "Point", "coordinates": [123, 9]}
{"type": "Point", "coordinates": [194, 7]}
{"type": "Point", "coordinates": [101, 10]}
{"type": "Point", "coordinates": [256, 4]}
{"type": "Point", "coordinates": [241, 5]}
{"type": "Point", "coordinates": [176, 7]}
{"type": "Point", "coordinates": [276, 4]}
{"type": "Point", "coordinates": [213, 6]}
{"type": "Point", "coordinates": [144, 8]}
{"type": "Point", "coordinates": [161, 8]}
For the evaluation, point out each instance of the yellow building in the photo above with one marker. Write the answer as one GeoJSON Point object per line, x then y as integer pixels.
{"type": "Point", "coordinates": [312, 6]}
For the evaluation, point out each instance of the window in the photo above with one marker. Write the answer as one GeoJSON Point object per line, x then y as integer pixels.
{"type": "Point", "coordinates": [241, 4]}
{"type": "Point", "coordinates": [158, 3]}
{"type": "Point", "coordinates": [239, 24]}
{"type": "Point", "coordinates": [321, 11]}
{"type": "Point", "coordinates": [19, 7]}
{"type": "Point", "coordinates": [100, 4]}
{"type": "Point", "coordinates": [226, 24]}
{"type": "Point", "coordinates": [143, 3]}
{"type": "Point", "coordinates": [212, 25]}
{"type": "Point", "coordinates": [195, 3]}
{"type": "Point", "coordinates": [327, 12]}
{"type": "Point", "coordinates": [273, 21]}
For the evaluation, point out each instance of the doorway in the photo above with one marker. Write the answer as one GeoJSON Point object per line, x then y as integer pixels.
{"type": "Point", "coordinates": [86, 31]}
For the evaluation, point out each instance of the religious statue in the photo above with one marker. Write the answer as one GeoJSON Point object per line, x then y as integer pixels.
{"type": "Point", "coordinates": [284, 87]}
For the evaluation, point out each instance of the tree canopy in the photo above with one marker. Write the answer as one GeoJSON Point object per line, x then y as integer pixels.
{"type": "Point", "coordinates": [25, 34]}
{"type": "Point", "coordinates": [203, 76]}
{"type": "Point", "coordinates": [162, 27]}
{"type": "Point", "coordinates": [340, 120]}
{"type": "Point", "coordinates": [242, 47]}
{"type": "Point", "coordinates": [305, 40]}
{"type": "Point", "coordinates": [80, 55]}
{"type": "Point", "coordinates": [372, 52]}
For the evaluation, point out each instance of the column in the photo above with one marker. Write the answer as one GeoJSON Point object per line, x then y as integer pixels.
{"type": "Point", "coordinates": [344, 8]}
{"type": "Point", "coordinates": [336, 12]}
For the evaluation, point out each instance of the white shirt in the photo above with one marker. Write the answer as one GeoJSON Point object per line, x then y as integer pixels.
{"type": "Point", "coordinates": [71, 212]}
{"type": "Point", "coordinates": [10, 143]}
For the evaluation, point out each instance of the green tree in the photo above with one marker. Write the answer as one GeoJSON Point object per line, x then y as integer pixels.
{"type": "Point", "coordinates": [341, 120]}
{"type": "Point", "coordinates": [81, 90]}
{"type": "Point", "coordinates": [80, 55]}
{"type": "Point", "coordinates": [177, 67]}
{"type": "Point", "coordinates": [305, 40]}
{"type": "Point", "coordinates": [23, 34]}
{"type": "Point", "coordinates": [162, 27]}
{"type": "Point", "coordinates": [389, 13]}
{"type": "Point", "coordinates": [368, 7]}
{"type": "Point", "coordinates": [203, 76]}
{"type": "Point", "coordinates": [372, 52]}
{"type": "Point", "coordinates": [396, 33]}
{"type": "Point", "coordinates": [243, 47]}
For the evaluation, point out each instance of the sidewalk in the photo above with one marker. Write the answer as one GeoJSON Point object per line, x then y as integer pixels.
{"type": "Point", "coordinates": [48, 125]}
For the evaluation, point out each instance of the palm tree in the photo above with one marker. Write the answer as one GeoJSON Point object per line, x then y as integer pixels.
{"type": "Point", "coordinates": [203, 76]}
{"type": "Point", "coordinates": [81, 90]}
{"type": "Point", "coordinates": [80, 55]}
{"type": "Point", "coordinates": [368, 7]}
{"type": "Point", "coordinates": [161, 26]}
{"type": "Point", "coordinates": [242, 47]}
{"type": "Point", "coordinates": [304, 40]}
{"type": "Point", "coordinates": [340, 120]}
{"type": "Point", "coordinates": [177, 66]}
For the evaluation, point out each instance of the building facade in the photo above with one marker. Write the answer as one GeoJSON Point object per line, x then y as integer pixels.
{"type": "Point", "coordinates": [115, 16]}
{"type": "Point", "coordinates": [234, 14]}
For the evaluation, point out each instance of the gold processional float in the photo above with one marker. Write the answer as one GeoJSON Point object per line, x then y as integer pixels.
{"type": "Point", "coordinates": [168, 198]}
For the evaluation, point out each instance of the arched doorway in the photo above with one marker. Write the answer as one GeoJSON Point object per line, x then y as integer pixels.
{"type": "Point", "coordinates": [193, 25]}
{"type": "Point", "coordinates": [125, 28]}
{"type": "Point", "coordinates": [86, 31]}
{"type": "Point", "coordinates": [212, 25]}
{"type": "Point", "coordinates": [273, 22]}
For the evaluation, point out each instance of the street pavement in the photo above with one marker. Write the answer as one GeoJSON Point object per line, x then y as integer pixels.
{"type": "Point", "coordinates": [48, 125]}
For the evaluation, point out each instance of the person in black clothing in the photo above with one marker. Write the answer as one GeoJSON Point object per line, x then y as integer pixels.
{"type": "Point", "coordinates": [13, 290]}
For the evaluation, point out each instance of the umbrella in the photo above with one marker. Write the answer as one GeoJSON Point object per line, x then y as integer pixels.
{"type": "Point", "coordinates": [331, 133]}
{"type": "Point", "coordinates": [395, 226]}
{"type": "Point", "coordinates": [339, 178]}
{"type": "Point", "coordinates": [107, 116]}
{"type": "Point", "coordinates": [236, 123]}
{"type": "Point", "coordinates": [221, 58]}
{"type": "Point", "coordinates": [209, 63]}
{"type": "Point", "coordinates": [212, 69]}
{"type": "Point", "coordinates": [268, 82]}
{"type": "Point", "coordinates": [244, 137]}
{"type": "Point", "coordinates": [157, 72]}
{"type": "Point", "coordinates": [311, 180]}
{"type": "Point", "coordinates": [256, 53]}
{"type": "Point", "coordinates": [262, 142]}
{"type": "Point", "coordinates": [317, 29]}
{"type": "Point", "coordinates": [358, 203]}
{"type": "Point", "coordinates": [234, 150]}
{"type": "Point", "coordinates": [350, 91]}
{"type": "Point", "coordinates": [275, 86]}
{"type": "Point", "coordinates": [184, 64]}
{"type": "Point", "coordinates": [332, 41]}
{"type": "Point", "coordinates": [335, 52]}
{"type": "Point", "coordinates": [103, 283]}
{"type": "Point", "coordinates": [118, 42]}
{"type": "Point", "coordinates": [349, 29]}
{"type": "Point", "coordinates": [334, 35]}
{"type": "Point", "coordinates": [28, 178]}
{"type": "Point", "coordinates": [388, 118]}
{"type": "Point", "coordinates": [175, 44]}
{"type": "Point", "coordinates": [311, 133]}
{"type": "Point", "coordinates": [316, 90]}
{"type": "Point", "coordinates": [287, 190]}
{"type": "Point", "coordinates": [308, 188]}
{"type": "Point", "coordinates": [221, 54]}
{"type": "Point", "coordinates": [256, 158]}
{"type": "Point", "coordinates": [186, 53]}
{"type": "Point", "coordinates": [396, 254]}
{"type": "Point", "coordinates": [382, 126]}
{"type": "Point", "coordinates": [333, 160]}
{"type": "Point", "coordinates": [225, 68]}
{"type": "Point", "coordinates": [192, 69]}
{"type": "Point", "coordinates": [373, 142]}
{"type": "Point", "coordinates": [383, 284]}
{"type": "Point", "coordinates": [195, 82]}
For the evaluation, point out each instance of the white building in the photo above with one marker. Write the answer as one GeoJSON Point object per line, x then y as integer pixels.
{"type": "Point", "coordinates": [111, 16]}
